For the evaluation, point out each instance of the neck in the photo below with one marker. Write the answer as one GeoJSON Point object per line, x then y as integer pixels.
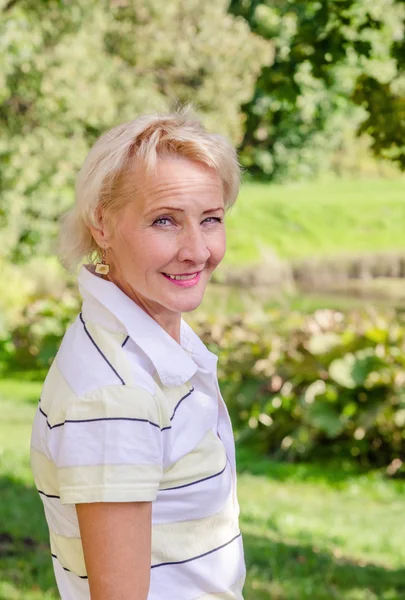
{"type": "Point", "coordinates": [170, 322]}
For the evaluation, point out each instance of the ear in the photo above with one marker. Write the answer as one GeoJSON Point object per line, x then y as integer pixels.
{"type": "Point", "coordinates": [101, 232]}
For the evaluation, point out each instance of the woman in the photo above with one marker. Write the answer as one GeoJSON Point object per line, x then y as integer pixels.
{"type": "Point", "coordinates": [132, 449]}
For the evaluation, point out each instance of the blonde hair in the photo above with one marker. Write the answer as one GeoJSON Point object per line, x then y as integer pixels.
{"type": "Point", "coordinates": [99, 183]}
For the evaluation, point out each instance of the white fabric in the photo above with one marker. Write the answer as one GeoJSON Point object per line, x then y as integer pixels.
{"type": "Point", "coordinates": [128, 414]}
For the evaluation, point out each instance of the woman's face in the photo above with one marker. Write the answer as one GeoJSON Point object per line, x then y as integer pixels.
{"type": "Point", "coordinates": [174, 227]}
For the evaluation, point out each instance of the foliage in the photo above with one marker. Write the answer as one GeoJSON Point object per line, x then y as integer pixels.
{"type": "Point", "coordinates": [302, 109]}
{"type": "Point", "coordinates": [327, 384]}
{"type": "Point", "coordinates": [37, 301]}
{"type": "Point", "coordinates": [33, 342]}
{"type": "Point", "coordinates": [74, 69]}
{"type": "Point", "coordinates": [384, 99]}
{"type": "Point", "coordinates": [20, 285]}
{"type": "Point", "coordinates": [385, 123]}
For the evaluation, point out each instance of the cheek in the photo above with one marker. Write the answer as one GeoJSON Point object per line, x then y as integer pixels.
{"type": "Point", "coordinates": [146, 252]}
{"type": "Point", "coordinates": [217, 248]}
{"type": "Point", "coordinates": [127, 249]}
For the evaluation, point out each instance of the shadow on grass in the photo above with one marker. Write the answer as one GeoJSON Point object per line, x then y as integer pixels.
{"type": "Point", "coordinates": [25, 558]}
{"type": "Point", "coordinates": [333, 473]}
{"type": "Point", "coordinates": [288, 571]}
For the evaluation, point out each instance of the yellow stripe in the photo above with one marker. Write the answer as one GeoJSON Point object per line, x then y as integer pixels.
{"type": "Point", "coordinates": [183, 540]}
{"type": "Point", "coordinates": [129, 401]}
{"type": "Point", "coordinates": [169, 399]}
{"type": "Point", "coordinates": [45, 473]}
{"type": "Point", "coordinates": [110, 401]}
{"type": "Point", "coordinates": [109, 343]}
{"type": "Point", "coordinates": [115, 402]}
{"type": "Point", "coordinates": [69, 552]}
{"type": "Point", "coordinates": [206, 459]}
{"type": "Point", "coordinates": [55, 387]}
{"type": "Point", "coordinates": [109, 483]}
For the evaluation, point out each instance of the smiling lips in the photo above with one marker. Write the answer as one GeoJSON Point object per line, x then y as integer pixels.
{"type": "Point", "coordinates": [185, 276]}
{"type": "Point", "coordinates": [184, 280]}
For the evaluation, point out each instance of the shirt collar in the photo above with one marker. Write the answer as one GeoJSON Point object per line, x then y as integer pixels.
{"type": "Point", "coordinates": [171, 360]}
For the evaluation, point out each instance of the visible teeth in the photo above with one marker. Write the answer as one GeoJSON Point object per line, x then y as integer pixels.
{"type": "Point", "coordinates": [181, 277]}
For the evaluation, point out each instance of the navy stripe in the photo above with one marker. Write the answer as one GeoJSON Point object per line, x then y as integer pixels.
{"type": "Point", "coordinates": [179, 402]}
{"type": "Point", "coordinates": [125, 341]}
{"type": "Point", "coordinates": [178, 562]}
{"type": "Point", "coordinates": [112, 419]}
{"type": "Point", "coordinates": [47, 422]}
{"type": "Point", "coordinates": [178, 487]}
{"type": "Point", "coordinates": [175, 408]}
{"type": "Point", "coordinates": [97, 419]}
{"type": "Point", "coordinates": [182, 562]}
{"type": "Point", "coordinates": [98, 349]}
{"type": "Point", "coordinates": [47, 495]}
{"type": "Point", "coordinates": [116, 418]}
{"type": "Point", "coordinates": [68, 570]}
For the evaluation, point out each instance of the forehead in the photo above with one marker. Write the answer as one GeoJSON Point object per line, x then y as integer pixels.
{"type": "Point", "coordinates": [179, 181]}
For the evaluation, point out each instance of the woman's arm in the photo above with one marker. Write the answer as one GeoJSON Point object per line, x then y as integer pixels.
{"type": "Point", "coordinates": [116, 538]}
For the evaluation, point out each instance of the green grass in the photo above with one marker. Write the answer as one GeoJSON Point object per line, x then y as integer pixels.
{"type": "Point", "coordinates": [311, 532]}
{"type": "Point", "coordinates": [321, 532]}
{"type": "Point", "coordinates": [316, 219]}
{"type": "Point", "coordinates": [25, 567]}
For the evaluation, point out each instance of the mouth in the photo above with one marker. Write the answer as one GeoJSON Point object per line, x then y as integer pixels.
{"type": "Point", "coordinates": [182, 276]}
{"type": "Point", "coordinates": [184, 280]}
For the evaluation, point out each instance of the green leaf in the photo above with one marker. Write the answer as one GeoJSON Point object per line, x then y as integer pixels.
{"type": "Point", "coordinates": [323, 343]}
{"type": "Point", "coordinates": [324, 417]}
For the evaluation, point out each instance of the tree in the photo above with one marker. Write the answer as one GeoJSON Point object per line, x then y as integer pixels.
{"type": "Point", "coordinates": [304, 102]}
{"type": "Point", "coordinates": [383, 97]}
{"type": "Point", "coordinates": [74, 69]}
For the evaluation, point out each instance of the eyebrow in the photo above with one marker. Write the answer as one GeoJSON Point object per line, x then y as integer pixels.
{"type": "Point", "coordinates": [172, 208]}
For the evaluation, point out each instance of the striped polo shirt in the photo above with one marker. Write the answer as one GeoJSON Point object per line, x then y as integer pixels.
{"type": "Point", "coordinates": [127, 414]}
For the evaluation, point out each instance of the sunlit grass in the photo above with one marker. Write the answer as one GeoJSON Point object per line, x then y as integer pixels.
{"type": "Point", "coordinates": [318, 532]}
{"type": "Point", "coordinates": [316, 219]}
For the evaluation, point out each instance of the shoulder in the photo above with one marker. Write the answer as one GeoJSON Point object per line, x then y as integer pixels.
{"type": "Point", "coordinates": [97, 372]}
{"type": "Point", "coordinates": [92, 356]}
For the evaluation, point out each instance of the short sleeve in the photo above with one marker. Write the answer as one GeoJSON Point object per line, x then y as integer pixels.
{"type": "Point", "coordinates": [109, 447]}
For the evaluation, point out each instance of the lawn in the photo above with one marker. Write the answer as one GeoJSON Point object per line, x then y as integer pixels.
{"type": "Point", "coordinates": [311, 532]}
{"type": "Point", "coordinates": [316, 219]}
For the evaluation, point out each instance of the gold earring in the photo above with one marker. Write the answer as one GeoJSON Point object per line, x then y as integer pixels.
{"type": "Point", "coordinates": [102, 268]}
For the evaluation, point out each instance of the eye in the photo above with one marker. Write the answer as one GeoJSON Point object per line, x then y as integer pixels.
{"type": "Point", "coordinates": [160, 221]}
{"type": "Point", "coordinates": [215, 219]}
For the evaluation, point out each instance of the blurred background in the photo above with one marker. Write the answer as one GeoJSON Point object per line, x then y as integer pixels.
{"type": "Point", "coordinates": [307, 312]}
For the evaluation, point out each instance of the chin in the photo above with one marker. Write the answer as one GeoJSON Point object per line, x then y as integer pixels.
{"type": "Point", "coordinates": [186, 305]}
{"type": "Point", "coordinates": [190, 308]}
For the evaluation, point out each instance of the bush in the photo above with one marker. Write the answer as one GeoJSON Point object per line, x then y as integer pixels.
{"type": "Point", "coordinates": [35, 341]}
{"type": "Point", "coordinates": [322, 385]}
{"type": "Point", "coordinates": [37, 301]}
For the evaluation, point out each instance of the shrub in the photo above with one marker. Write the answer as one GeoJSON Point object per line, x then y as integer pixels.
{"type": "Point", "coordinates": [322, 385]}
{"type": "Point", "coordinates": [37, 301]}
{"type": "Point", "coordinates": [35, 341]}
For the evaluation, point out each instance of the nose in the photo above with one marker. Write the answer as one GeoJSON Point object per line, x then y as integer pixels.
{"type": "Point", "coordinates": [193, 247]}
